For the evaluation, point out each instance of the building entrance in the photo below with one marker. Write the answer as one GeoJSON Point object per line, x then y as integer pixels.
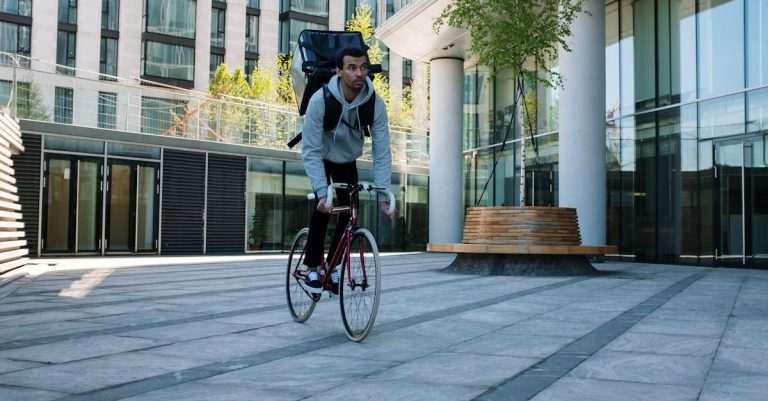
{"type": "Point", "coordinates": [132, 206]}
{"type": "Point", "coordinates": [741, 211]}
{"type": "Point", "coordinates": [72, 198]}
{"type": "Point", "coordinates": [84, 212]}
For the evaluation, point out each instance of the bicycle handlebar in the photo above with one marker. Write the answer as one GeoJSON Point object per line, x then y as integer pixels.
{"type": "Point", "coordinates": [366, 186]}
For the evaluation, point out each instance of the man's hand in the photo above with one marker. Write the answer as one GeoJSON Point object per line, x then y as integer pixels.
{"type": "Point", "coordinates": [384, 206]}
{"type": "Point", "coordinates": [322, 207]}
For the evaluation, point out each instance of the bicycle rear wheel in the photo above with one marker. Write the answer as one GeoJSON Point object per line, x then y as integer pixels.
{"type": "Point", "coordinates": [301, 304]}
{"type": "Point", "coordinates": [360, 285]}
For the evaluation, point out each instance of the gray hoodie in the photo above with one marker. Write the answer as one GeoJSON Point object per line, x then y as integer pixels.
{"type": "Point", "coordinates": [344, 144]}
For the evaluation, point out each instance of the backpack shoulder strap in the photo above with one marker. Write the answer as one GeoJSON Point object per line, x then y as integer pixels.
{"type": "Point", "coordinates": [332, 110]}
{"type": "Point", "coordinates": [367, 113]}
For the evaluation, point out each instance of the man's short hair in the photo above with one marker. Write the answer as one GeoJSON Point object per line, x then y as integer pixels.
{"type": "Point", "coordinates": [349, 51]}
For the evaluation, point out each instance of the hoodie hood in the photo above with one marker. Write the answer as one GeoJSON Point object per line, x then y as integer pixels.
{"type": "Point", "coordinates": [334, 85]}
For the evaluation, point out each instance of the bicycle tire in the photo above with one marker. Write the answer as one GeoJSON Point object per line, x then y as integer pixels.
{"type": "Point", "coordinates": [300, 303]}
{"type": "Point", "coordinates": [360, 285]}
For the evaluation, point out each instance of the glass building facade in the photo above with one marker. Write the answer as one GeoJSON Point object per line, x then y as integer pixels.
{"type": "Point", "coordinates": [686, 133]}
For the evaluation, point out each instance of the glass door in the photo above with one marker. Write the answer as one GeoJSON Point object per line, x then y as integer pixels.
{"type": "Point", "coordinates": [741, 213]}
{"type": "Point", "coordinates": [132, 206]}
{"type": "Point", "coordinates": [72, 192]}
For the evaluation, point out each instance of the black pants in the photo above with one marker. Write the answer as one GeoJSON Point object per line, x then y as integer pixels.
{"type": "Point", "coordinates": [318, 223]}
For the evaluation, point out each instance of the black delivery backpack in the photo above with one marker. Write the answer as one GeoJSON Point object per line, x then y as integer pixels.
{"type": "Point", "coordinates": [314, 63]}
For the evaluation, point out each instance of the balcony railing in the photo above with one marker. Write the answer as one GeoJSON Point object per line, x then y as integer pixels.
{"type": "Point", "coordinates": [89, 99]}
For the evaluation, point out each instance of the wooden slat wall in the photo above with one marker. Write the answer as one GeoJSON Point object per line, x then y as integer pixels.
{"type": "Point", "coordinates": [13, 251]}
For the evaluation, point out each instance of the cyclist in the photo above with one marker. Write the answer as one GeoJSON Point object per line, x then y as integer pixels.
{"type": "Point", "coordinates": [329, 156]}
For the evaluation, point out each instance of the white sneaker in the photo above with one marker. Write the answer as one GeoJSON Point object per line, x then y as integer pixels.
{"type": "Point", "coordinates": [311, 283]}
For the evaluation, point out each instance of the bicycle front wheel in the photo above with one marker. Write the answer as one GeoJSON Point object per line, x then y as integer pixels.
{"type": "Point", "coordinates": [301, 304]}
{"type": "Point", "coordinates": [360, 285]}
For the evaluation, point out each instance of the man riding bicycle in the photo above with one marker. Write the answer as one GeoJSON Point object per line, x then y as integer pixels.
{"type": "Point", "coordinates": [330, 155]}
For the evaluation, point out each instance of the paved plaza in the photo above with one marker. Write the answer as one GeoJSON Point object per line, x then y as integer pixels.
{"type": "Point", "coordinates": [217, 328]}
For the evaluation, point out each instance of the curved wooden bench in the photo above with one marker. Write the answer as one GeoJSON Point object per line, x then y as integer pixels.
{"type": "Point", "coordinates": [547, 234]}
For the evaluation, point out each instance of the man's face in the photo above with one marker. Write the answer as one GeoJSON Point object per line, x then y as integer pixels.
{"type": "Point", "coordinates": [354, 72]}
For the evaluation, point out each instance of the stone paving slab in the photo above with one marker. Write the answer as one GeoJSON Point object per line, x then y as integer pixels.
{"type": "Point", "coordinates": [217, 328]}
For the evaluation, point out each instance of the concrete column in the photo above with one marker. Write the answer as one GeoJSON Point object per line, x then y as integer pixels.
{"type": "Point", "coordinates": [445, 150]}
{"type": "Point", "coordinates": [582, 124]}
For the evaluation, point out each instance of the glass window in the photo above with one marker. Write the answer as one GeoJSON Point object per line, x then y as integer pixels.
{"type": "Point", "coordinates": [65, 53]}
{"type": "Point", "coordinates": [169, 61]}
{"type": "Point", "coordinates": [28, 102]}
{"type": "Point", "coordinates": [68, 11]}
{"type": "Point", "coordinates": [252, 3]}
{"type": "Point", "coordinates": [757, 42]}
{"type": "Point", "coordinates": [53, 142]}
{"type": "Point", "coordinates": [171, 17]}
{"type": "Point", "coordinates": [645, 55]}
{"type": "Point", "coordinates": [158, 115]}
{"type": "Point", "coordinates": [109, 14]}
{"type": "Point", "coordinates": [131, 150]}
{"type": "Point", "coordinates": [215, 61]}
{"type": "Point", "coordinates": [252, 33]}
{"type": "Point", "coordinates": [15, 38]}
{"type": "Point", "coordinates": [108, 57]}
{"type": "Point", "coordinates": [677, 51]}
{"type": "Point", "coordinates": [757, 112]}
{"type": "Point", "coordinates": [407, 69]}
{"type": "Point", "coordinates": [548, 107]}
{"type": "Point", "coordinates": [416, 213]}
{"type": "Point", "coordinates": [107, 110]}
{"type": "Point", "coordinates": [17, 7]}
{"type": "Point", "coordinates": [264, 200]}
{"type": "Point", "coordinates": [62, 109]}
{"type": "Point", "coordinates": [627, 57]}
{"type": "Point", "coordinates": [312, 7]}
{"type": "Point", "coordinates": [250, 65]}
{"type": "Point", "coordinates": [721, 117]}
{"type": "Point", "coordinates": [721, 46]}
{"type": "Point", "coordinates": [612, 91]}
{"type": "Point", "coordinates": [289, 32]}
{"type": "Point", "coordinates": [297, 207]}
{"type": "Point", "coordinates": [217, 26]}
{"type": "Point", "coordinates": [504, 92]}
{"type": "Point", "coordinates": [352, 6]}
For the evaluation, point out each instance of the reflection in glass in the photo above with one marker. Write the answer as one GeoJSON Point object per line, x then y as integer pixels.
{"type": "Point", "coordinates": [676, 31]}
{"type": "Point", "coordinates": [264, 222]}
{"type": "Point", "coordinates": [297, 207]}
{"type": "Point", "coordinates": [721, 117]}
{"type": "Point", "coordinates": [169, 61]}
{"type": "Point", "coordinates": [757, 181]}
{"type": "Point", "coordinates": [146, 207]}
{"type": "Point", "coordinates": [88, 201]}
{"type": "Point", "coordinates": [58, 205]}
{"type": "Point", "coordinates": [612, 66]}
{"type": "Point", "coordinates": [721, 46]}
{"type": "Point", "coordinates": [730, 162]}
{"type": "Point", "coordinates": [627, 57]}
{"type": "Point", "coordinates": [119, 208]}
{"type": "Point", "coordinates": [645, 54]}
{"type": "Point", "coordinates": [757, 42]}
{"type": "Point", "coordinates": [311, 7]}
{"type": "Point", "coordinates": [175, 18]}
{"type": "Point", "coordinates": [646, 191]}
{"type": "Point", "coordinates": [757, 110]}
{"type": "Point", "coordinates": [289, 32]}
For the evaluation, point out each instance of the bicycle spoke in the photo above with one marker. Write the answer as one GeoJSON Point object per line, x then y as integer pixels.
{"type": "Point", "coordinates": [301, 304]}
{"type": "Point", "coordinates": [360, 289]}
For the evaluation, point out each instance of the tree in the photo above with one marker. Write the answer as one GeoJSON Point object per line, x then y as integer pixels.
{"type": "Point", "coordinates": [522, 31]}
{"type": "Point", "coordinates": [362, 21]}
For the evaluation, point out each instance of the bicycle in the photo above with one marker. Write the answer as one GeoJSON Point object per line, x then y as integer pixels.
{"type": "Point", "coordinates": [359, 286]}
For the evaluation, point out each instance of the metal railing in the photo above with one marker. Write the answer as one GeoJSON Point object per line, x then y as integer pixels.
{"type": "Point", "coordinates": [34, 90]}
